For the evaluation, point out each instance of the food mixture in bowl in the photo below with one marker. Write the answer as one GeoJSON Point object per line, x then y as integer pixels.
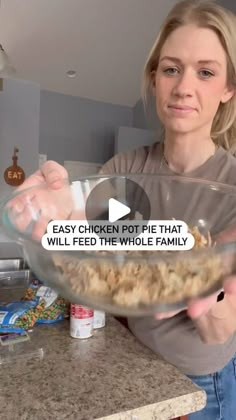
{"type": "Point", "coordinates": [144, 281]}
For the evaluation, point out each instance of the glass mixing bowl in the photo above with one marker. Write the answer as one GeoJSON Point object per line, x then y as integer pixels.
{"type": "Point", "coordinates": [129, 283]}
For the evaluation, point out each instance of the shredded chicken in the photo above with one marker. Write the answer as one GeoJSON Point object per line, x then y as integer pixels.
{"type": "Point", "coordinates": [146, 280]}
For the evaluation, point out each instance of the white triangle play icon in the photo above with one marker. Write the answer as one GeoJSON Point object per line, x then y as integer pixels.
{"type": "Point", "coordinates": [117, 210]}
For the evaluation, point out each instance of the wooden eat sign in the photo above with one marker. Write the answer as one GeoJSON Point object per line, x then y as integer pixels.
{"type": "Point", "coordinates": [14, 175]}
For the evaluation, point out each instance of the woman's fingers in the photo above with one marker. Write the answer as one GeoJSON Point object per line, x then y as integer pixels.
{"type": "Point", "coordinates": [230, 285]}
{"type": "Point", "coordinates": [35, 179]}
{"type": "Point", "coordinates": [51, 172]}
{"type": "Point", "coordinates": [227, 235]}
{"type": "Point", "coordinates": [165, 315]}
{"type": "Point", "coordinates": [35, 208]}
{"type": "Point", "coordinates": [54, 174]}
{"type": "Point", "coordinates": [198, 307]}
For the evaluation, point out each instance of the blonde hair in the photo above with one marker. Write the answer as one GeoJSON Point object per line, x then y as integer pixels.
{"type": "Point", "coordinates": [206, 14]}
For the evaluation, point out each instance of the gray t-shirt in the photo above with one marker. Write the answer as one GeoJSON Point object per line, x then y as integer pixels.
{"type": "Point", "coordinates": [176, 338]}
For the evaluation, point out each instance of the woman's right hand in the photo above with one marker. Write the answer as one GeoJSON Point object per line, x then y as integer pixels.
{"type": "Point", "coordinates": [50, 200]}
{"type": "Point", "coordinates": [51, 172]}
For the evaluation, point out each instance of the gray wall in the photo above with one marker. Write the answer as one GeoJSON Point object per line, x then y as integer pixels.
{"type": "Point", "coordinates": [19, 126]}
{"type": "Point", "coordinates": [130, 138]}
{"type": "Point", "coordinates": [145, 117]}
{"type": "Point", "coordinates": [73, 128]}
{"type": "Point", "coordinates": [230, 4]}
{"type": "Point", "coordinates": [139, 117]}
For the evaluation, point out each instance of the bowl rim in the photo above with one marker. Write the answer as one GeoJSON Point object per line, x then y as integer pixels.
{"type": "Point", "coordinates": [18, 236]}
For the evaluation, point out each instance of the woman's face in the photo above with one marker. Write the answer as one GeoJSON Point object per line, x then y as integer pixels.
{"type": "Point", "coordinates": [190, 81]}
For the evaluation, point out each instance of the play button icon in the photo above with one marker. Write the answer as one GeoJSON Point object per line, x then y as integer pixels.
{"type": "Point", "coordinates": [116, 199]}
{"type": "Point", "coordinates": [117, 210]}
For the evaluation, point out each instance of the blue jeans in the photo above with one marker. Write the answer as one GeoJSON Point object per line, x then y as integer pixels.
{"type": "Point", "coordinates": [220, 388]}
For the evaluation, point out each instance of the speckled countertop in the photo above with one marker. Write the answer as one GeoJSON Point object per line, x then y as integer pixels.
{"type": "Point", "coordinates": [109, 376]}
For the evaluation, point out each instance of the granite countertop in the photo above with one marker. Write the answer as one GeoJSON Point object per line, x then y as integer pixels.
{"type": "Point", "coordinates": [109, 376]}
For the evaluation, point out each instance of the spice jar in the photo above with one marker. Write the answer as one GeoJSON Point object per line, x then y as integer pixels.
{"type": "Point", "coordinates": [99, 319]}
{"type": "Point", "coordinates": [81, 321]}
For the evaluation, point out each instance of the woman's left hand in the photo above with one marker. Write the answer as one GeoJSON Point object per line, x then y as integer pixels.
{"type": "Point", "coordinates": [215, 321]}
{"type": "Point", "coordinates": [199, 307]}
{"type": "Point", "coordinates": [194, 309]}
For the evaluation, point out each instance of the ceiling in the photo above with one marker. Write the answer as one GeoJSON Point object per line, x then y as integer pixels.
{"type": "Point", "coordinates": [105, 41]}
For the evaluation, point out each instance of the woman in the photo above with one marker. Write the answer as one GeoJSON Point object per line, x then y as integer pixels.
{"type": "Point", "coordinates": [191, 71]}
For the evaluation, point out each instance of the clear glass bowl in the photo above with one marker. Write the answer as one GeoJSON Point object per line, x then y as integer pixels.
{"type": "Point", "coordinates": [130, 283]}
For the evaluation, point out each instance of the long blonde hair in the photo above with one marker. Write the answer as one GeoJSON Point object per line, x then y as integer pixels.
{"type": "Point", "coordinates": [206, 14]}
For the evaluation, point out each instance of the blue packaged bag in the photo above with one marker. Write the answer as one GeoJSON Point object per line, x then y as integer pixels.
{"type": "Point", "coordinates": [17, 317]}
